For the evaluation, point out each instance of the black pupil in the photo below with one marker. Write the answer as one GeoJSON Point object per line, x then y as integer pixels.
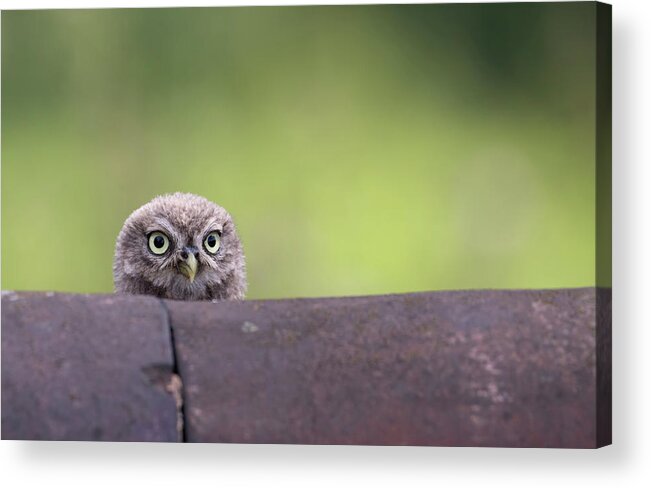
{"type": "Point", "coordinates": [159, 242]}
{"type": "Point", "coordinates": [212, 240]}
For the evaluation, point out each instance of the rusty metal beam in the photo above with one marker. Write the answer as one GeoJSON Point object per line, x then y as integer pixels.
{"type": "Point", "coordinates": [84, 368]}
{"type": "Point", "coordinates": [467, 368]}
{"type": "Point", "coordinates": [526, 368]}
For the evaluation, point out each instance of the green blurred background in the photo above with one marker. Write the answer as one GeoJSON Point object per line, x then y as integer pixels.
{"type": "Point", "coordinates": [361, 150]}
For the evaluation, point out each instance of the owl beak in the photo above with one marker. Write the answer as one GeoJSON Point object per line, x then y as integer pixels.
{"type": "Point", "coordinates": [188, 267]}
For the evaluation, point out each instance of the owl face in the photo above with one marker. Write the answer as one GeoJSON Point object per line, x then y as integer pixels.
{"type": "Point", "coordinates": [178, 246]}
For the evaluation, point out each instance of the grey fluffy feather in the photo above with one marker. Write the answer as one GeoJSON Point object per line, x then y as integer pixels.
{"type": "Point", "coordinates": [185, 219]}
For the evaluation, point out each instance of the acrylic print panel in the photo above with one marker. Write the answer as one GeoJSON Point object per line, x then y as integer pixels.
{"type": "Point", "coordinates": [448, 165]}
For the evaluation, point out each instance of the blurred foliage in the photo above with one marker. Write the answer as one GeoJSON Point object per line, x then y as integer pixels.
{"type": "Point", "coordinates": [360, 149]}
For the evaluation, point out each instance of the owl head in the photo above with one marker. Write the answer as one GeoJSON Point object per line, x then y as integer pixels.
{"type": "Point", "coordinates": [180, 246]}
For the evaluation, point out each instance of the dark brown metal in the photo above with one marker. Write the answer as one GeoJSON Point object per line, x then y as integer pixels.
{"type": "Point", "coordinates": [79, 367]}
{"type": "Point", "coordinates": [467, 368]}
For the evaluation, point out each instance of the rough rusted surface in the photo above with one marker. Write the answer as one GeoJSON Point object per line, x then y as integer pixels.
{"type": "Point", "coordinates": [78, 367]}
{"type": "Point", "coordinates": [469, 368]}
{"type": "Point", "coordinates": [604, 367]}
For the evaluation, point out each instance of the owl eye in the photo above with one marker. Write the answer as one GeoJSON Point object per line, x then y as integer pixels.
{"type": "Point", "coordinates": [158, 243]}
{"type": "Point", "coordinates": [211, 242]}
